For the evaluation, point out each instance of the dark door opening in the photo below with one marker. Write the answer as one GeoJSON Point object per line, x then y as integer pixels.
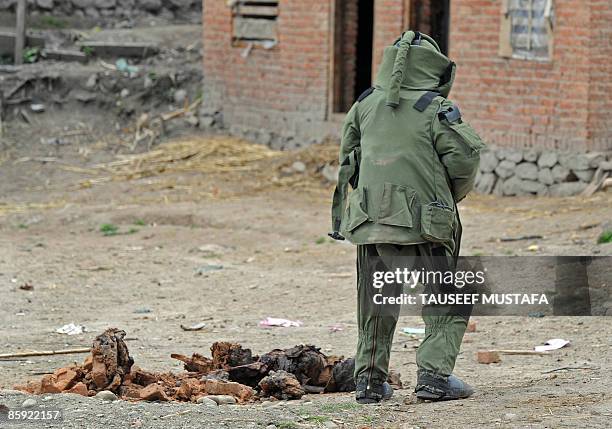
{"type": "Point", "coordinates": [365, 44]}
{"type": "Point", "coordinates": [353, 46]}
{"type": "Point", "coordinates": [432, 17]}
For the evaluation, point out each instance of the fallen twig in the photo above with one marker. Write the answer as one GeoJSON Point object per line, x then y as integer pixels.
{"type": "Point", "coordinates": [46, 353]}
{"type": "Point", "coordinates": [570, 368]}
{"type": "Point", "coordinates": [524, 237]}
{"type": "Point", "coordinates": [72, 133]}
{"type": "Point", "coordinates": [599, 179]}
{"type": "Point", "coordinates": [520, 352]}
{"type": "Point", "coordinates": [181, 112]}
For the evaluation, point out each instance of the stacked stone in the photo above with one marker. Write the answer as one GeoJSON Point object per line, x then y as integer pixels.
{"type": "Point", "coordinates": [107, 8]}
{"type": "Point", "coordinates": [508, 172]}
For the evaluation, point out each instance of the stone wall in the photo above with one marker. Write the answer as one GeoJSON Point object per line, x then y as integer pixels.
{"type": "Point", "coordinates": [109, 9]}
{"type": "Point", "coordinates": [510, 172]}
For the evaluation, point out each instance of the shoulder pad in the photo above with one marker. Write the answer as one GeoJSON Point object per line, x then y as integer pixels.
{"type": "Point", "coordinates": [423, 103]}
{"type": "Point", "coordinates": [365, 94]}
{"type": "Point", "coordinates": [451, 114]}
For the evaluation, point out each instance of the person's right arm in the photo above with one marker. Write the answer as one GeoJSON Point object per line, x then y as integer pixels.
{"type": "Point", "coordinates": [458, 147]}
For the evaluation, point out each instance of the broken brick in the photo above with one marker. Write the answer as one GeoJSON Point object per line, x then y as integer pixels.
{"type": "Point", "coordinates": [190, 388]}
{"type": "Point", "coordinates": [153, 392]}
{"type": "Point", "coordinates": [487, 357]}
{"type": "Point", "coordinates": [195, 363]}
{"type": "Point", "coordinates": [239, 391]}
{"type": "Point", "coordinates": [32, 387]}
{"type": "Point", "coordinates": [471, 327]}
{"type": "Point", "coordinates": [80, 389]}
{"type": "Point", "coordinates": [184, 392]}
{"type": "Point", "coordinates": [88, 363]}
{"type": "Point", "coordinates": [47, 385]}
{"type": "Point", "coordinates": [130, 390]}
{"type": "Point", "coordinates": [65, 378]}
{"type": "Point", "coordinates": [98, 374]}
{"type": "Point", "coordinates": [288, 374]}
{"type": "Point", "coordinates": [141, 377]}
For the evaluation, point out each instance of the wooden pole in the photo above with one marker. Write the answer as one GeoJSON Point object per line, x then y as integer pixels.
{"type": "Point", "coordinates": [20, 31]}
{"type": "Point", "coordinates": [520, 352]}
{"type": "Point", "coordinates": [45, 353]}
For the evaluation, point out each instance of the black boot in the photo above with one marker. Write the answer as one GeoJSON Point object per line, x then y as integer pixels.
{"type": "Point", "coordinates": [433, 387]}
{"type": "Point", "coordinates": [374, 393]}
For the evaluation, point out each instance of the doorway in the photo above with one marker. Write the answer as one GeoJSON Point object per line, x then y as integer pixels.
{"type": "Point", "coordinates": [353, 46]}
{"type": "Point", "coordinates": [431, 17]}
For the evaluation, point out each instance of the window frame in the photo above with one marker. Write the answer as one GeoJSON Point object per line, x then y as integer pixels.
{"type": "Point", "coordinates": [506, 48]}
{"type": "Point", "coordinates": [247, 21]}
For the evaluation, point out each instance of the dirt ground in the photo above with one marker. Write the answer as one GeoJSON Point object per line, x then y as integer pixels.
{"type": "Point", "coordinates": [268, 233]}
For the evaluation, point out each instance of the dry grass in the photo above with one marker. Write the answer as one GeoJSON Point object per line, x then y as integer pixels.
{"type": "Point", "coordinates": [210, 155]}
{"type": "Point", "coordinates": [9, 208]}
{"type": "Point", "coordinates": [233, 158]}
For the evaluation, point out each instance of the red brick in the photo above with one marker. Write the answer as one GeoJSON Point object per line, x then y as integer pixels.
{"type": "Point", "coordinates": [487, 357]}
{"type": "Point", "coordinates": [65, 378]}
{"type": "Point", "coordinates": [79, 389]}
{"type": "Point", "coordinates": [88, 363]}
{"type": "Point", "coordinates": [47, 385]}
{"type": "Point", "coordinates": [153, 392]}
{"type": "Point", "coordinates": [98, 374]}
{"type": "Point", "coordinates": [130, 390]}
{"type": "Point", "coordinates": [241, 392]}
{"type": "Point", "coordinates": [141, 377]}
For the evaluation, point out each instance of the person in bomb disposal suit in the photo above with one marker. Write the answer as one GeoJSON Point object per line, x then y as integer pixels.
{"type": "Point", "coordinates": [409, 158]}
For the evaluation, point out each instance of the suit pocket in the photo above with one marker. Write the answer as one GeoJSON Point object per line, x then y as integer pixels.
{"type": "Point", "coordinates": [396, 205]}
{"type": "Point", "coordinates": [437, 223]}
{"type": "Point", "coordinates": [467, 135]}
{"type": "Point", "coordinates": [356, 210]}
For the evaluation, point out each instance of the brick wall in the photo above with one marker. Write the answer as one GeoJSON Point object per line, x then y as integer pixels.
{"type": "Point", "coordinates": [283, 89]}
{"type": "Point", "coordinates": [518, 103]}
{"type": "Point", "coordinates": [562, 104]}
{"type": "Point", "coordinates": [286, 89]}
{"type": "Point", "coordinates": [600, 88]}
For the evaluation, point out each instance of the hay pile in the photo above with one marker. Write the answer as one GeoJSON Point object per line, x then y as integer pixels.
{"type": "Point", "coordinates": [209, 155]}
{"type": "Point", "coordinates": [234, 158]}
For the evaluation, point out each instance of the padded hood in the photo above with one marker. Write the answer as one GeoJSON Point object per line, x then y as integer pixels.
{"type": "Point", "coordinates": [415, 63]}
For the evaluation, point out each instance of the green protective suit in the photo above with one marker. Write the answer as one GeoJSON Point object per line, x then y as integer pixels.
{"type": "Point", "coordinates": [409, 157]}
